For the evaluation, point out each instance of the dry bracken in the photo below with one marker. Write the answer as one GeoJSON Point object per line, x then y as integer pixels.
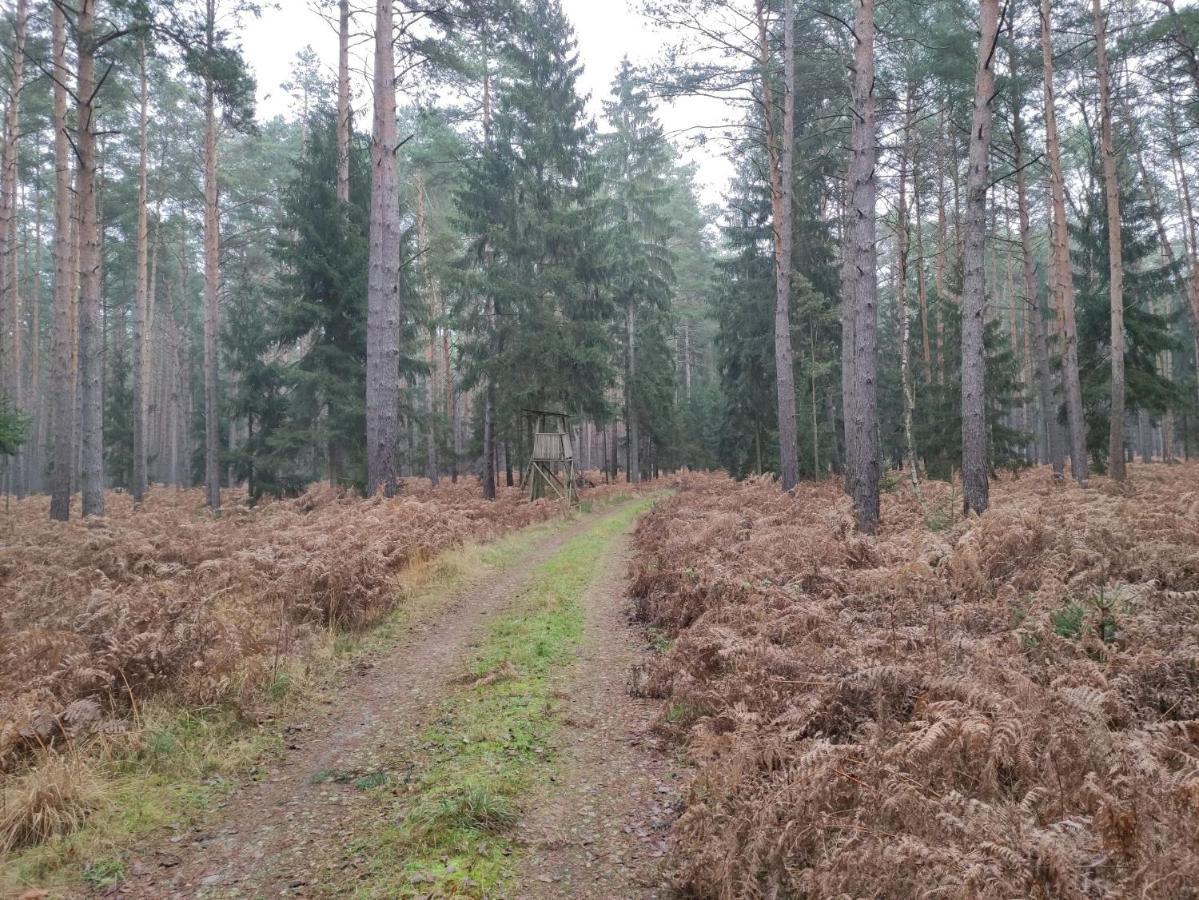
{"type": "Point", "coordinates": [992, 707]}
{"type": "Point", "coordinates": [97, 615]}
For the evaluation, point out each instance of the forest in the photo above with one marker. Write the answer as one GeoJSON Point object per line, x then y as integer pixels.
{"type": "Point", "coordinates": [873, 330]}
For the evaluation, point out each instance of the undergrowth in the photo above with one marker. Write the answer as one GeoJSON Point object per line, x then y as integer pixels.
{"type": "Point", "coordinates": [998, 706]}
{"type": "Point", "coordinates": [445, 830]}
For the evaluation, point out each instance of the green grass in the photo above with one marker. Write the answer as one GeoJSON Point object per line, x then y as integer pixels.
{"type": "Point", "coordinates": [183, 761]}
{"type": "Point", "coordinates": [447, 834]}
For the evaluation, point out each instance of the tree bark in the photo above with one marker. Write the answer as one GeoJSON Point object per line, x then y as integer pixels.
{"type": "Point", "coordinates": [212, 286]}
{"type": "Point", "coordinates": [1063, 276]}
{"type": "Point", "coordinates": [34, 462]}
{"type": "Point", "coordinates": [941, 261]}
{"type": "Point", "coordinates": [64, 296]}
{"type": "Point", "coordinates": [1111, 184]}
{"type": "Point", "coordinates": [383, 277]}
{"type": "Point", "coordinates": [926, 354]}
{"type": "Point", "coordinates": [901, 295]}
{"type": "Point", "coordinates": [632, 425]}
{"type": "Point", "coordinates": [11, 352]}
{"type": "Point", "coordinates": [422, 237]}
{"type": "Point", "coordinates": [859, 284]}
{"type": "Point", "coordinates": [91, 334]}
{"type": "Point", "coordinates": [781, 151]}
{"type": "Point", "coordinates": [975, 485]}
{"type": "Point", "coordinates": [343, 101]}
{"type": "Point", "coordinates": [1045, 384]}
{"type": "Point", "coordinates": [141, 295]}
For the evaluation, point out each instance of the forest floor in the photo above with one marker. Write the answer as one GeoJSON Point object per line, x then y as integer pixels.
{"type": "Point", "coordinates": [486, 746]}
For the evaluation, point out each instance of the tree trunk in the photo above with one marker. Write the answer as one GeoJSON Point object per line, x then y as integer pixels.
{"type": "Point", "coordinates": [91, 335]}
{"type": "Point", "coordinates": [10, 281]}
{"type": "Point", "coordinates": [1188, 285]}
{"type": "Point", "coordinates": [1063, 276]}
{"type": "Point", "coordinates": [615, 462]}
{"type": "Point", "coordinates": [343, 101]}
{"type": "Point", "coordinates": [926, 354]}
{"type": "Point", "coordinates": [34, 463]}
{"type": "Point", "coordinates": [64, 296]}
{"type": "Point", "coordinates": [212, 287]}
{"type": "Point", "coordinates": [975, 486]}
{"type": "Point", "coordinates": [633, 469]}
{"type": "Point", "coordinates": [781, 151]}
{"type": "Point", "coordinates": [941, 261]}
{"type": "Point", "coordinates": [489, 311]}
{"type": "Point", "coordinates": [141, 296]}
{"type": "Point", "coordinates": [383, 287]}
{"type": "Point", "coordinates": [1111, 184]}
{"type": "Point", "coordinates": [1045, 384]}
{"type": "Point", "coordinates": [423, 249]}
{"type": "Point", "coordinates": [859, 282]}
{"type": "Point", "coordinates": [901, 293]}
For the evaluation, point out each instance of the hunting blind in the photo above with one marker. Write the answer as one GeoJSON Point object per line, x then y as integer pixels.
{"type": "Point", "coordinates": [551, 470]}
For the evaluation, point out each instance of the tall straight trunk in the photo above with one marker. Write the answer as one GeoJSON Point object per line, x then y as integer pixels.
{"type": "Point", "coordinates": [212, 287]}
{"type": "Point", "coordinates": [901, 294]}
{"type": "Point", "coordinates": [489, 311]}
{"type": "Point", "coordinates": [422, 237]}
{"type": "Point", "coordinates": [91, 334]}
{"type": "Point", "coordinates": [614, 459]}
{"type": "Point", "coordinates": [687, 359]}
{"type": "Point", "coordinates": [1045, 384]}
{"type": "Point", "coordinates": [148, 356]}
{"type": "Point", "coordinates": [1063, 276]}
{"type": "Point", "coordinates": [1165, 360]}
{"type": "Point", "coordinates": [926, 354]}
{"type": "Point", "coordinates": [631, 422]}
{"type": "Point", "coordinates": [781, 152]}
{"type": "Point", "coordinates": [11, 319]}
{"type": "Point", "coordinates": [448, 375]}
{"type": "Point", "coordinates": [343, 101]}
{"type": "Point", "coordinates": [140, 297]}
{"type": "Point", "coordinates": [941, 262]}
{"type": "Point", "coordinates": [63, 374]}
{"type": "Point", "coordinates": [1111, 184]}
{"type": "Point", "coordinates": [383, 277]}
{"type": "Point", "coordinates": [34, 462]}
{"type": "Point", "coordinates": [975, 485]}
{"type": "Point", "coordinates": [1020, 414]}
{"type": "Point", "coordinates": [859, 284]}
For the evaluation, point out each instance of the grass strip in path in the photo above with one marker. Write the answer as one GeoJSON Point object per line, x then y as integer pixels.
{"type": "Point", "coordinates": [449, 815]}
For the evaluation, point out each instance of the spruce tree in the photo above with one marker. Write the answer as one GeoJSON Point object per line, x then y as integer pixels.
{"type": "Point", "coordinates": [1146, 333]}
{"type": "Point", "coordinates": [321, 307]}
{"type": "Point", "coordinates": [636, 160]}
{"type": "Point", "coordinates": [537, 322]}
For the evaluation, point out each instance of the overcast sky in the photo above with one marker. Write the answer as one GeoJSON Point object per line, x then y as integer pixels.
{"type": "Point", "coordinates": [607, 30]}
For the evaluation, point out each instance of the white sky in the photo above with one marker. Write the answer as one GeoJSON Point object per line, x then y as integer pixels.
{"type": "Point", "coordinates": [606, 30]}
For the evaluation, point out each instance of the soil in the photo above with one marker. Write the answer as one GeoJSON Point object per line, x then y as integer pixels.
{"type": "Point", "coordinates": [598, 830]}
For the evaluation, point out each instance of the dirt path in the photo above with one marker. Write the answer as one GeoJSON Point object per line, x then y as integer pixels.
{"type": "Point", "coordinates": [271, 835]}
{"type": "Point", "coordinates": [599, 830]}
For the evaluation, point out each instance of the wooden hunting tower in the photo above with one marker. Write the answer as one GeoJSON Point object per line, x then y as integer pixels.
{"type": "Point", "coordinates": [551, 471]}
